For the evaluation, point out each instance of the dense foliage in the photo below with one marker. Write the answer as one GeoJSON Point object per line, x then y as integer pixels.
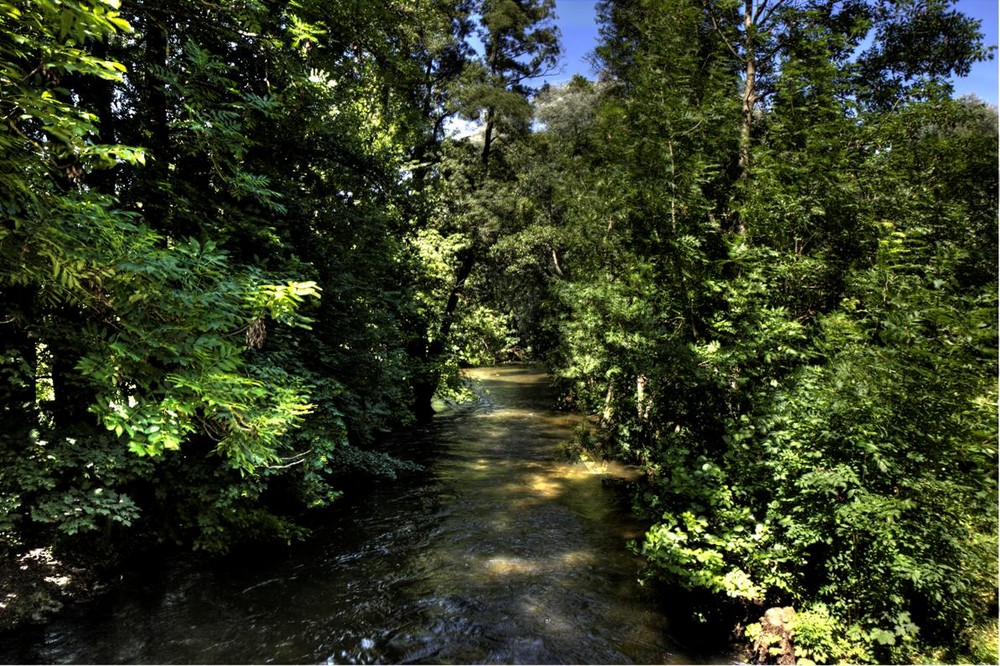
{"type": "Point", "coordinates": [238, 243]}
{"type": "Point", "coordinates": [768, 251]}
{"type": "Point", "coordinates": [210, 282]}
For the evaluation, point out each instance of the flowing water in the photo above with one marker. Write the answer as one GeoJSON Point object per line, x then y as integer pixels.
{"type": "Point", "coordinates": [501, 553]}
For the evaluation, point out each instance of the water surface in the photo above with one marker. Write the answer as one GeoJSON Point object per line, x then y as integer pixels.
{"type": "Point", "coordinates": [502, 552]}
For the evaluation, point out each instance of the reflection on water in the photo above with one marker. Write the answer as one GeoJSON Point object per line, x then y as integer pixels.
{"type": "Point", "coordinates": [502, 553]}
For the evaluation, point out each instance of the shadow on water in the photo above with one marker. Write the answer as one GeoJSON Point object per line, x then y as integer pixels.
{"type": "Point", "coordinates": [501, 553]}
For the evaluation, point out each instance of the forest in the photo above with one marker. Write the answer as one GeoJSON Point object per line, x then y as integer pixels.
{"type": "Point", "coordinates": [243, 240]}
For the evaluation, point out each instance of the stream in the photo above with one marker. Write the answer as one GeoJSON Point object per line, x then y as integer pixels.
{"type": "Point", "coordinates": [502, 552]}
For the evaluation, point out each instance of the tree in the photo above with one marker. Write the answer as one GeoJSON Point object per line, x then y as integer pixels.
{"type": "Point", "coordinates": [519, 44]}
{"type": "Point", "coordinates": [108, 320]}
{"type": "Point", "coordinates": [739, 336]}
{"type": "Point", "coordinates": [155, 305]}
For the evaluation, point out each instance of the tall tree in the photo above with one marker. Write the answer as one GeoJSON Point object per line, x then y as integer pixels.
{"type": "Point", "coordinates": [520, 43]}
{"type": "Point", "coordinates": [750, 271]}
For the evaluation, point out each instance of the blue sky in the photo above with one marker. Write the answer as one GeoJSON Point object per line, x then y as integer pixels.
{"type": "Point", "coordinates": [576, 20]}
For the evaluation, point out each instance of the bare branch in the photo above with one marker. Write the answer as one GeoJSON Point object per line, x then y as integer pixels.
{"type": "Point", "coordinates": [555, 263]}
{"type": "Point", "coordinates": [718, 29]}
{"type": "Point", "coordinates": [767, 16]}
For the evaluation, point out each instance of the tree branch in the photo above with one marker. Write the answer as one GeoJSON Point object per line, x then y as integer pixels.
{"type": "Point", "coordinates": [718, 29]}
{"type": "Point", "coordinates": [767, 16]}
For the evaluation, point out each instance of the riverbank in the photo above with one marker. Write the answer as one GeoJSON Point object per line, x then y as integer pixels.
{"type": "Point", "coordinates": [36, 585]}
{"type": "Point", "coordinates": [500, 552]}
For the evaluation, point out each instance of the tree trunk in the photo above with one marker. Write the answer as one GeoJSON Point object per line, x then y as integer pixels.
{"type": "Point", "coordinates": [425, 387]}
{"type": "Point", "coordinates": [18, 362]}
{"type": "Point", "coordinates": [97, 95]}
{"type": "Point", "coordinates": [154, 199]}
{"type": "Point", "coordinates": [423, 396]}
{"type": "Point", "coordinates": [488, 139]}
{"type": "Point", "coordinates": [71, 396]}
{"type": "Point", "coordinates": [749, 89]}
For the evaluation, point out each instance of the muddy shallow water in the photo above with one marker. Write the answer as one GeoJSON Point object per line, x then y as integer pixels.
{"type": "Point", "coordinates": [501, 552]}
